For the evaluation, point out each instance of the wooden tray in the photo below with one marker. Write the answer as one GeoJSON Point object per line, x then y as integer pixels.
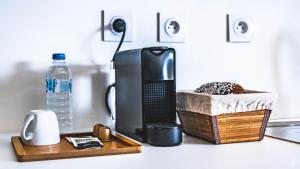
{"type": "Point", "coordinates": [118, 145]}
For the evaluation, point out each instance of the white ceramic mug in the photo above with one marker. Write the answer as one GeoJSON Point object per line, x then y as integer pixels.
{"type": "Point", "coordinates": [40, 128]}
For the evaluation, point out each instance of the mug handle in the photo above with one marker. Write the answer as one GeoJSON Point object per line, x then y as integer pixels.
{"type": "Point", "coordinates": [28, 120]}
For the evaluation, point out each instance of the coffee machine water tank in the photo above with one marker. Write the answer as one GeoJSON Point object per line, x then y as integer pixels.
{"type": "Point", "coordinates": [145, 89]}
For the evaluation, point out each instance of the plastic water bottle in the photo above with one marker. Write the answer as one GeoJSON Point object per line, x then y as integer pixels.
{"type": "Point", "coordinates": [59, 91]}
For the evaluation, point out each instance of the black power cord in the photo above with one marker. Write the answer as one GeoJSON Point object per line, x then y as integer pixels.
{"type": "Point", "coordinates": [119, 25]}
{"type": "Point", "coordinates": [106, 99]}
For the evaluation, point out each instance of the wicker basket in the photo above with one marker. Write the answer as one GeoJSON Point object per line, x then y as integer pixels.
{"type": "Point", "coordinates": [225, 128]}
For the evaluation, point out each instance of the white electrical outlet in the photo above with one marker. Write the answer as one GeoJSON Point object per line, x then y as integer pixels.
{"type": "Point", "coordinates": [170, 27]}
{"type": "Point", "coordinates": [108, 34]}
{"type": "Point", "coordinates": [240, 28]}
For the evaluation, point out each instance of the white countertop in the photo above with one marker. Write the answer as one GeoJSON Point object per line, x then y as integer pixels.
{"type": "Point", "coordinates": [193, 153]}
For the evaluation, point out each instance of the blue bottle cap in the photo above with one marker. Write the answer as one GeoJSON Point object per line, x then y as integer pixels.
{"type": "Point", "coordinates": [58, 56]}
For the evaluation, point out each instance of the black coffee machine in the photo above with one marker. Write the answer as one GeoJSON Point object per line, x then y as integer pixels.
{"type": "Point", "coordinates": [145, 84]}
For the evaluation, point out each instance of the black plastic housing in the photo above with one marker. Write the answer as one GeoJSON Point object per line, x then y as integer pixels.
{"type": "Point", "coordinates": [145, 89]}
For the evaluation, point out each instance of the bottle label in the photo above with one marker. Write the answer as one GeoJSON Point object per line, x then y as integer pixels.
{"type": "Point", "coordinates": [58, 86]}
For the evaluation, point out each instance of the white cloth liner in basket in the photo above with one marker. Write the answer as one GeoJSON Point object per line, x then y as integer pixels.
{"type": "Point", "coordinates": [219, 104]}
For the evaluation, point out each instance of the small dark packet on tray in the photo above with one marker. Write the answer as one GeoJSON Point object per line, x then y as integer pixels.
{"type": "Point", "coordinates": [85, 142]}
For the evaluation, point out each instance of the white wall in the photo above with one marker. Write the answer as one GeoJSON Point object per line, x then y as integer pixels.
{"type": "Point", "coordinates": [31, 30]}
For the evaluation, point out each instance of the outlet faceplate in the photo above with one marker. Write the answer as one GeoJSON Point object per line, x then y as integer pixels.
{"type": "Point", "coordinates": [240, 28]}
{"type": "Point", "coordinates": [170, 27]}
{"type": "Point", "coordinates": [108, 34]}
